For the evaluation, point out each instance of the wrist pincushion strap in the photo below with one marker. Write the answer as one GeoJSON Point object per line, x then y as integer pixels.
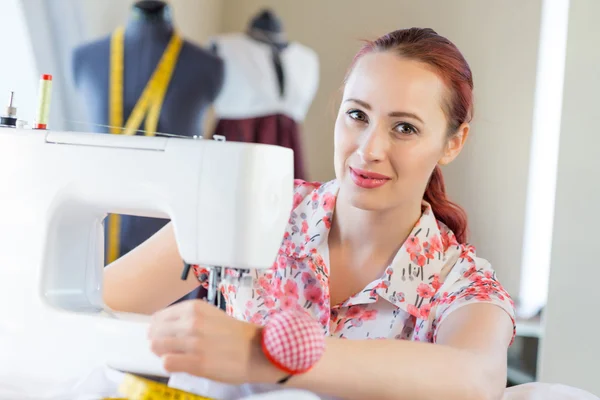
{"type": "Point", "coordinates": [293, 341]}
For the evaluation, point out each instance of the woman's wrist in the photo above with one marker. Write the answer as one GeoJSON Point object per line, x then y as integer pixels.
{"type": "Point", "coordinates": [291, 343]}
{"type": "Point", "coordinates": [261, 370]}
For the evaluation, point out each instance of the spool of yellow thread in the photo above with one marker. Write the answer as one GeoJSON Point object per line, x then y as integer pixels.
{"type": "Point", "coordinates": [43, 106]}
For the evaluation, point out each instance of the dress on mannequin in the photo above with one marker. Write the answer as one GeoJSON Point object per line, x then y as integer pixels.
{"type": "Point", "coordinates": [195, 83]}
{"type": "Point", "coordinates": [269, 86]}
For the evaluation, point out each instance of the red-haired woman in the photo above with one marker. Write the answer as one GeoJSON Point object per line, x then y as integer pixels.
{"type": "Point", "coordinates": [377, 253]}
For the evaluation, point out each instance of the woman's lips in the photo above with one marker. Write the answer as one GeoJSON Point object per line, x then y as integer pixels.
{"type": "Point", "coordinates": [367, 179]}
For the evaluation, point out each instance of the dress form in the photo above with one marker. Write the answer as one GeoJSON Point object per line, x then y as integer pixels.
{"type": "Point", "coordinates": [196, 82]}
{"type": "Point", "coordinates": [270, 83]}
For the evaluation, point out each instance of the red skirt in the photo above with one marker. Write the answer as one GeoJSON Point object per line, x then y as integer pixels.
{"type": "Point", "coordinates": [275, 129]}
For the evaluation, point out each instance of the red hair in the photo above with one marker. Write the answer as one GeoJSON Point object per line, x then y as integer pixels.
{"type": "Point", "coordinates": [426, 46]}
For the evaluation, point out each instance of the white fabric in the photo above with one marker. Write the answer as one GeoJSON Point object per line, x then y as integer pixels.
{"type": "Point", "coordinates": [221, 391]}
{"type": "Point", "coordinates": [250, 87]}
{"type": "Point", "coordinates": [546, 391]}
{"type": "Point", "coordinates": [104, 382]}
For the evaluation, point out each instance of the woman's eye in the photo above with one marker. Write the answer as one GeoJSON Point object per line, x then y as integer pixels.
{"type": "Point", "coordinates": [357, 115]}
{"type": "Point", "coordinates": [405, 129]}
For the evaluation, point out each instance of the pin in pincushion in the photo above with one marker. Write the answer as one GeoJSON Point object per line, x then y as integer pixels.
{"type": "Point", "coordinates": [293, 341]}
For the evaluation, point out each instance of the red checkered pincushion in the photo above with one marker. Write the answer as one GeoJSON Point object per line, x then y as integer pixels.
{"type": "Point", "coordinates": [293, 341]}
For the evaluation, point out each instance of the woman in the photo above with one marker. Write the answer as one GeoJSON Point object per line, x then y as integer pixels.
{"type": "Point", "coordinates": [378, 253]}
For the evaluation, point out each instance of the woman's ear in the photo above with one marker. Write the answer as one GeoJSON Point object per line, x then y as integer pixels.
{"type": "Point", "coordinates": [455, 144]}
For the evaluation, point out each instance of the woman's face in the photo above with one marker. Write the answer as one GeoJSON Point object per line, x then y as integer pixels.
{"type": "Point", "coordinates": [391, 131]}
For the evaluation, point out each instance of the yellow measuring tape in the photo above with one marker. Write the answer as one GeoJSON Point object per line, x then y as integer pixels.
{"type": "Point", "coordinates": [137, 388]}
{"type": "Point", "coordinates": [148, 106]}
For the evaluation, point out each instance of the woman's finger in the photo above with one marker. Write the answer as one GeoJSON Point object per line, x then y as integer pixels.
{"type": "Point", "coordinates": [175, 345]}
{"type": "Point", "coordinates": [178, 311]}
{"type": "Point", "coordinates": [178, 328]}
{"type": "Point", "coordinates": [183, 363]}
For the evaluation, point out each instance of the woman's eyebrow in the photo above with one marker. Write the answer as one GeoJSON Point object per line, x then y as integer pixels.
{"type": "Point", "coordinates": [392, 114]}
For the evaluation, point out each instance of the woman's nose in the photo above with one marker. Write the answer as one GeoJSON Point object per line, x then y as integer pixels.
{"type": "Point", "coordinates": [373, 145]}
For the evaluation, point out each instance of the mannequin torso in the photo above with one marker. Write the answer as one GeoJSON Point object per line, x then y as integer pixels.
{"type": "Point", "coordinates": [196, 82]}
{"type": "Point", "coordinates": [270, 83]}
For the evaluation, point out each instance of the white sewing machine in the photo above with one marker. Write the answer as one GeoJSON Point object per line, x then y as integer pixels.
{"type": "Point", "coordinates": [229, 203]}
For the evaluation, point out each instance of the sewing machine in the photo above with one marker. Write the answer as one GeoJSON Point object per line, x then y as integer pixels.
{"type": "Point", "coordinates": [229, 204]}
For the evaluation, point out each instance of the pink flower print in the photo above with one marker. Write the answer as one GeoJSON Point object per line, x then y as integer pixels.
{"type": "Point", "coordinates": [304, 226]}
{"type": "Point", "coordinates": [257, 319]}
{"type": "Point", "coordinates": [483, 296]}
{"type": "Point", "coordinates": [477, 278]}
{"type": "Point", "coordinates": [354, 312]}
{"type": "Point", "coordinates": [369, 315]}
{"type": "Point", "coordinates": [425, 291]}
{"type": "Point", "coordinates": [397, 297]}
{"type": "Point", "coordinates": [467, 254]}
{"type": "Point", "coordinates": [290, 289]}
{"type": "Point", "coordinates": [249, 304]}
{"type": "Point", "coordinates": [356, 322]}
{"type": "Point", "coordinates": [311, 265]}
{"type": "Point", "coordinates": [435, 283]}
{"type": "Point", "coordinates": [264, 284]}
{"type": "Point", "coordinates": [383, 285]}
{"type": "Point", "coordinates": [448, 239]}
{"type": "Point", "coordinates": [435, 244]}
{"type": "Point", "coordinates": [489, 274]}
{"type": "Point", "coordinates": [418, 259]}
{"type": "Point", "coordinates": [324, 319]}
{"type": "Point", "coordinates": [328, 202]}
{"type": "Point", "coordinates": [313, 294]}
{"type": "Point", "coordinates": [389, 272]}
{"type": "Point", "coordinates": [288, 303]}
{"type": "Point", "coordinates": [413, 310]}
{"type": "Point", "coordinates": [470, 271]}
{"type": "Point", "coordinates": [427, 251]}
{"type": "Point", "coordinates": [327, 221]}
{"type": "Point", "coordinates": [429, 336]}
{"type": "Point", "coordinates": [269, 302]}
{"type": "Point", "coordinates": [315, 196]}
{"type": "Point", "coordinates": [282, 261]}
{"type": "Point", "coordinates": [412, 245]}
{"type": "Point", "coordinates": [424, 310]}
{"type": "Point", "coordinates": [297, 200]}
{"type": "Point", "coordinates": [308, 279]}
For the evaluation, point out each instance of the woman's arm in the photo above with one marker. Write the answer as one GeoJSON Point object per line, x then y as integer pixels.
{"type": "Point", "coordinates": [147, 278]}
{"type": "Point", "coordinates": [468, 362]}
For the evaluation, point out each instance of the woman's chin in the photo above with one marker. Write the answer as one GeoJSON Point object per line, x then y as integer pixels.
{"type": "Point", "coordinates": [368, 201]}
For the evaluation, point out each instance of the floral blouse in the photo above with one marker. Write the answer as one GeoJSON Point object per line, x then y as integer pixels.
{"type": "Point", "coordinates": [430, 276]}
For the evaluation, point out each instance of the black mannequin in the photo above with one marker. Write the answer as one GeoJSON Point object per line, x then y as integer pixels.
{"type": "Point", "coordinates": [196, 82]}
{"type": "Point", "coordinates": [267, 27]}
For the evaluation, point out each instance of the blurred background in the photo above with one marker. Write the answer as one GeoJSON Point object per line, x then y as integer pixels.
{"type": "Point", "coordinates": [519, 177]}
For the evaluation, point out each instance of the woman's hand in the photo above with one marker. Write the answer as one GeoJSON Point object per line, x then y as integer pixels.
{"type": "Point", "coordinates": [197, 338]}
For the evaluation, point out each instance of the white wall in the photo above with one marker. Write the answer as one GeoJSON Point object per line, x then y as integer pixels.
{"type": "Point", "coordinates": [571, 349]}
{"type": "Point", "coordinates": [499, 39]}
